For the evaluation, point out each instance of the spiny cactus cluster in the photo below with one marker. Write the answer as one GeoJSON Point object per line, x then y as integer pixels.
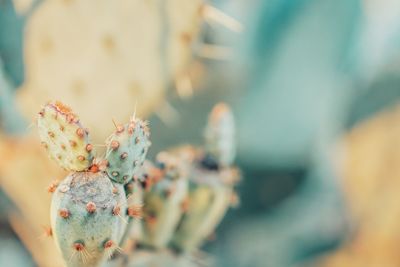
{"type": "Point", "coordinates": [106, 204]}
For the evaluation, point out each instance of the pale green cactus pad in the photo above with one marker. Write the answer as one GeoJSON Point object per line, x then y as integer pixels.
{"type": "Point", "coordinates": [87, 218]}
{"type": "Point", "coordinates": [126, 150]}
{"type": "Point", "coordinates": [64, 137]}
{"type": "Point", "coordinates": [164, 201]}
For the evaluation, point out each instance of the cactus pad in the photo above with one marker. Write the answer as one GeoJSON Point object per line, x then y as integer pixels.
{"type": "Point", "coordinates": [164, 201]}
{"type": "Point", "coordinates": [126, 150]}
{"type": "Point", "coordinates": [64, 137]}
{"type": "Point", "coordinates": [86, 218]}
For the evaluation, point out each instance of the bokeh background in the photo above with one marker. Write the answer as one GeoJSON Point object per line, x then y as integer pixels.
{"type": "Point", "coordinates": [314, 85]}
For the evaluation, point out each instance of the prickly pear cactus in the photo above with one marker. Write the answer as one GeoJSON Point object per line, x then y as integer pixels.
{"type": "Point", "coordinates": [164, 201]}
{"type": "Point", "coordinates": [126, 150]}
{"type": "Point", "coordinates": [89, 211]}
{"type": "Point", "coordinates": [64, 137]}
{"type": "Point", "coordinates": [137, 48]}
{"type": "Point", "coordinates": [98, 208]}
{"type": "Point", "coordinates": [211, 181]}
{"type": "Point", "coordinates": [87, 218]}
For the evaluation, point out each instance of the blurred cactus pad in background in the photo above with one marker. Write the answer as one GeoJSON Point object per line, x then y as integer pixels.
{"type": "Point", "coordinates": [129, 128]}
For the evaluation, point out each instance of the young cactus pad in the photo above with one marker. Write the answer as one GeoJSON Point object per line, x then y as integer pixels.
{"type": "Point", "coordinates": [220, 135]}
{"type": "Point", "coordinates": [64, 137]}
{"type": "Point", "coordinates": [126, 150]}
{"type": "Point", "coordinates": [86, 218]}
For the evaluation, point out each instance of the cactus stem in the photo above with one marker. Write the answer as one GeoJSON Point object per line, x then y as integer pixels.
{"type": "Point", "coordinates": [64, 213]}
{"type": "Point", "coordinates": [91, 207]}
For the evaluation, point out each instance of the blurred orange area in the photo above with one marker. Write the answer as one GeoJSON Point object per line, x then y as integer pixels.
{"type": "Point", "coordinates": [372, 184]}
{"type": "Point", "coordinates": [25, 174]}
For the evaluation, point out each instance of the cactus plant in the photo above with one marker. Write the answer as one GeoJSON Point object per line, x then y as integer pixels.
{"type": "Point", "coordinates": [96, 209]}
{"type": "Point", "coordinates": [211, 181]}
{"type": "Point", "coordinates": [89, 207]}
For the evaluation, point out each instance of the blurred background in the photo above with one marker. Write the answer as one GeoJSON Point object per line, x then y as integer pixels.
{"type": "Point", "coordinates": [314, 86]}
